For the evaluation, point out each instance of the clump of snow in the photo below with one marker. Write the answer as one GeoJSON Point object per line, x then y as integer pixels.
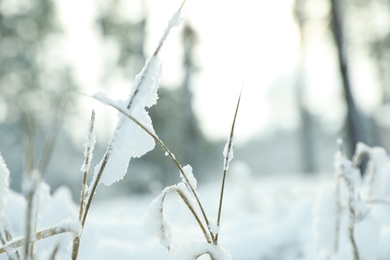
{"type": "Point", "coordinates": [190, 176]}
{"type": "Point", "coordinates": [4, 183]}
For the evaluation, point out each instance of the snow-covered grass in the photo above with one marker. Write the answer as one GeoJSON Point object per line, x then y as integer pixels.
{"type": "Point", "coordinates": [276, 218]}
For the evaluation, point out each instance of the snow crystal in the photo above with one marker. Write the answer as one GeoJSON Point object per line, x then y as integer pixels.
{"type": "Point", "coordinates": [4, 183]}
{"type": "Point", "coordinates": [190, 176]}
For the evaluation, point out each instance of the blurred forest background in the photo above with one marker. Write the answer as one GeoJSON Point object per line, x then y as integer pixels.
{"type": "Point", "coordinates": [40, 92]}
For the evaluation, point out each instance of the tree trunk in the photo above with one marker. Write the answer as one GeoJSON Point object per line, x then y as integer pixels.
{"type": "Point", "coordinates": [355, 129]}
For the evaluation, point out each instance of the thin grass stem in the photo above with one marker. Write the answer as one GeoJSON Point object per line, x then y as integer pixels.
{"type": "Point", "coordinates": [87, 159]}
{"type": "Point", "coordinates": [226, 166]}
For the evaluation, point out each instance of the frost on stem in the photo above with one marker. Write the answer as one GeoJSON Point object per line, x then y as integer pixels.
{"type": "Point", "coordinates": [4, 184]}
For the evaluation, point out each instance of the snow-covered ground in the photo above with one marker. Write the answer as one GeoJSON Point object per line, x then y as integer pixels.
{"type": "Point", "coordinates": [262, 218]}
{"type": "Point", "coordinates": [281, 217]}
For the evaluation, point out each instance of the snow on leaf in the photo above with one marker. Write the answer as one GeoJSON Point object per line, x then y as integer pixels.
{"type": "Point", "coordinates": [155, 222]}
{"type": "Point", "coordinates": [130, 140]}
{"type": "Point", "coordinates": [4, 184]}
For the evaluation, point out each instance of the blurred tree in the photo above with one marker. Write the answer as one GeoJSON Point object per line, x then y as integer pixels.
{"type": "Point", "coordinates": [306, 132]}
{"type": "Point", "coordinates": [176, 123]}
{"type": "Point", "coordinates": [31, 85]}
{"type": "Point", "coordinates": [355, 127]}
{"type": "Point", "coordinates": [129, 37]}
{"type": "Point", "coordinates": [26, 28]}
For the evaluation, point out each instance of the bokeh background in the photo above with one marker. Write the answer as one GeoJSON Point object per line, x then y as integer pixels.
{"type": "Point", "coordinates": [312, 71]}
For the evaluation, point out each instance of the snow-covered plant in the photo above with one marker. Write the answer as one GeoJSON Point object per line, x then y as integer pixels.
{"type": "Point", "coordinates": [133, 135]}
{"type": "Point", "coordinates": [155, 222]}
{"type": "Point", "coordinates": [343, 213]}
{"type": "Point", "coordinates": [36, 200]}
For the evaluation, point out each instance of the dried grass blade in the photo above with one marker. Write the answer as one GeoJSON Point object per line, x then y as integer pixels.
{"type": "Point", "coordinates": [226, 165]}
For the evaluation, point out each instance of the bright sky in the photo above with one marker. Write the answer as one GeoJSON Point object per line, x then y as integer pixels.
{"type": "Point", "coordinates": [246, 42]}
